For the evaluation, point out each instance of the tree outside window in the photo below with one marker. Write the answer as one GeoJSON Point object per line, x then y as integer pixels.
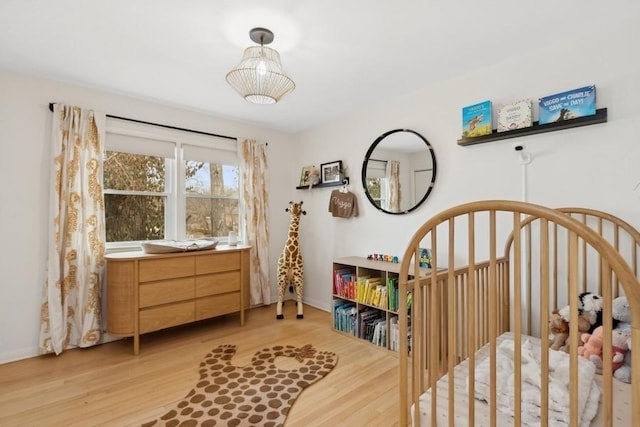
{"type": "Point", "coordinates": [138, 198]}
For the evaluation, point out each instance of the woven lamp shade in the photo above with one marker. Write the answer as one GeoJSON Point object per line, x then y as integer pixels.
{"type": "Point", "coordinates": [259, 77]}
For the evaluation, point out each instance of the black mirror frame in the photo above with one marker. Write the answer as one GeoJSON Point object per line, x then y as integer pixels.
{"type": "Point", "coordinates": [366, 160]}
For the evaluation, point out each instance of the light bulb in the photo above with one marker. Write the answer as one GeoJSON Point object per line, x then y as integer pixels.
{"type": "Point", "coordinates": [261, 68]}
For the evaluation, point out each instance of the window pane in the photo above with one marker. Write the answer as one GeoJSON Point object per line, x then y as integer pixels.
{"type": "Point", "coordinates": [133, 172]}
{"type": "Point", "coordinates": [373, 186]}
{"type": "Point", "coordinates": [211, 179]}
{"type": "Point", "coordinates": [211, 217]}
{"type": "Point", "coordinates": [130, 218]}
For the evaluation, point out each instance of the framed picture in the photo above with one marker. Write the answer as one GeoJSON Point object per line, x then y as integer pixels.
{"type": "Point", "coordinates": [330, 172]}
{"type": "Point", "coordinates": [305, 176]}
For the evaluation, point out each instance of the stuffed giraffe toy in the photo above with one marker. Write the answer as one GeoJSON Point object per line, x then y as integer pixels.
{"type": "Point", "coordinates": [290, 268]}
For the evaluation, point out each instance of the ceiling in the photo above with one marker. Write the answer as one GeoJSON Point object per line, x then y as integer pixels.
{"type": "Point", "coordinates": [343, 55]}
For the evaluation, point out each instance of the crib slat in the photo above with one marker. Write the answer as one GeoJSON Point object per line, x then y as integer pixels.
{"type": "Point", "coordinates": [433, 332]}
{"type": "Point", "coordinates": [471, 309]}
{"type": "Point", "coordinates": [544, 319]}
{"type": "Point", "coordinates": [517, 277]}
{"type": "Point", "coordinates": [492, 315]}
{"type": "Point", "coordinates": [529, 280]}
{"type": "Point", "coordinates": [417, 379]}
{"type": "Point", "coordinates": [554, 248]}
{"type": "Point", "coordinates": [607, 354]}
{"type": "Point", "coordinates": [573, 296]}
{"type": "Point", "coordinates": [583, 263]}
{"type": "Point", "coordinates": [452, 326]}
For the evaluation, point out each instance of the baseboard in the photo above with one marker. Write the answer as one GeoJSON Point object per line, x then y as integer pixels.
{"type": "Point", "coordinates": [14, 356]}
{"type": "Point", "coordinates": [29, 352]}
{"type": "Point", "coordinates": [313, 303]}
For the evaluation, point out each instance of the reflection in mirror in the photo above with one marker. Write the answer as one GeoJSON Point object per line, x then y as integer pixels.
{"type": "Point", "coordinates": [399, 171]}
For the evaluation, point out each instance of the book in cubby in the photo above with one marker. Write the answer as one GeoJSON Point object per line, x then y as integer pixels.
{"type": "Point", "coordinates": [369, 318]}
{"type": "Point", "coordinates": [365, 300]}
{"type": "Point", "coordinates": [344, 282]}
{"type": "Point", "coordinates": [344, 316]}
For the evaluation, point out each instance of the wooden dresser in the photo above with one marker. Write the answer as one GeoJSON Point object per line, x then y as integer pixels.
{"type": "Point", "coordinates": [149, 292]}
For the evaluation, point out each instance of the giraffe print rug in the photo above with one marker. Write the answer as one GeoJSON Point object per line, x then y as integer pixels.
{"type": "Point", "coordinates": [259, 394]}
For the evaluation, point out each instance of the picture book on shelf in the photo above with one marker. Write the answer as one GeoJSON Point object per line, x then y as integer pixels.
{"type": "Point", "coordinates": [567, 105]}
{"type": "Point", "coordinates": [476, 120]}
{"type": "Point", "coordinates": [425, 257]}
{"type": "Point", "coordinates": [515, 115]}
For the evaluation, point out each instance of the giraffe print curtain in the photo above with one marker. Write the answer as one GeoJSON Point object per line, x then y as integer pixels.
{"type": "Point", "coordinates": [255, 195]}
{"type": "Point", "coordinates": [70, 311]}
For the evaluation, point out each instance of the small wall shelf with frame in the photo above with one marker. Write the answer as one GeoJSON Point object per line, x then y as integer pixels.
{"type": "Point", "coordinates": [345, 181]}
{"type": "Point", "coordinates": [599, 117]}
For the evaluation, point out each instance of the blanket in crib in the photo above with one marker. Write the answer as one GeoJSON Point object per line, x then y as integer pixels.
{"type": "Point", "coordinates": [559, 397]}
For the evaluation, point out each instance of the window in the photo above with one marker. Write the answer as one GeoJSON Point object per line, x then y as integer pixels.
{"type": "Point", "coordinates": [211, 192]}
{"type": "Point", "coordinates": [135, 197]}
{"type": "Point", "coordinates": [376, 182]}
{"type": "Point", "coordinates": [168, 184]}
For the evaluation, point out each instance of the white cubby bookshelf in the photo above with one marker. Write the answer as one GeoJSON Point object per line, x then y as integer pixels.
{"type": "Point", "coordinates": [363, 315]}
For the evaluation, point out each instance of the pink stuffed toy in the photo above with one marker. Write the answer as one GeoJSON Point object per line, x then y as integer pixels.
{"type": "Point", "coordinates": [592, 348]}
{"type": "Point", "coordinates": [619, 348]}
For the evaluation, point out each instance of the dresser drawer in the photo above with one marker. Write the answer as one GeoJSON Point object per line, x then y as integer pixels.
{"type": "Point", "coordinates": [217, 305]}
{"type": "Point", "coordinates": [215, 263]}
{"type": "Point", "coordinates": [121, 300]}
{"type": "Point", "coordinates": [166, 268]}
{"type": "Point", "coordinates": [213, 284]}
{"type": "Point", "coordinates": [156, 318]}
{"type": "Point", "coordinates": [166, 291]}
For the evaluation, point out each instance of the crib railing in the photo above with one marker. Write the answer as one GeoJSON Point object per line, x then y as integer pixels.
{"type": "Point", "coordinates": [462, 315]}
{"type": "Point", "coordinates": [457, 310]}
{"type": "Point", "coordinates": [456, 323]}
{"type": "Point", "coordinates": [620, 234]}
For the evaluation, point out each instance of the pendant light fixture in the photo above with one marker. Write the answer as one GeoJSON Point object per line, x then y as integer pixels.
{"type": "Point", "coordinates": [259, 77]}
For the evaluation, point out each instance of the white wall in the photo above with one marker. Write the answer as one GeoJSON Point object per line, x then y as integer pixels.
{"type": "Point", "coordinates": [595, 166]}
{"type": "Point", "coordinates": [25, 122]}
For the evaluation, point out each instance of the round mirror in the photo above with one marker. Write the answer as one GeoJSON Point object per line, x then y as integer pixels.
{"type": "Point", "coordinates": [399, 171]}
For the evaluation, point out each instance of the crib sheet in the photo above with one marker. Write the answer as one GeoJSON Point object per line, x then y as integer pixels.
{"type": "Point", "coordinates": [621, 400]}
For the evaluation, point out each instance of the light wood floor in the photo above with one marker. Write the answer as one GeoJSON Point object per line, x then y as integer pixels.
{"type": "Point", "coordinates": [108, 386]}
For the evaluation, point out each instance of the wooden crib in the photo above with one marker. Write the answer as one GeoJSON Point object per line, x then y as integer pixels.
{"type": "Point", "coordinates": [468, 315]}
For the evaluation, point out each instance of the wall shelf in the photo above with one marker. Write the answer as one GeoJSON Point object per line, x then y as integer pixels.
{"type": "Point", "coordinates": [599, 117]}
{"type": "Point", "coordinates": [345, 181]}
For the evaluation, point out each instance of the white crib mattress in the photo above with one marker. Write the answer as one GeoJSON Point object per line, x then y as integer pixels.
{"type": "Point", "coordinates": [621, 398]}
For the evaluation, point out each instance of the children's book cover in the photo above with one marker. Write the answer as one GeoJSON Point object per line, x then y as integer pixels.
{"type": "Point", "coordinates": [476, 120]}
{"type": "Point", "coordinates": [425, 257]}
{"type": "Point", "coordinates": [515, 115]}
{"type": "Point", "coordinates": [567, 105]}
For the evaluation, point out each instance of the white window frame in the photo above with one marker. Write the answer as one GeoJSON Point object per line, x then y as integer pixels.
{"type": "Point", "coordinates": [377, 169]}
{"type": "Point", "coordinates": [175, 207]}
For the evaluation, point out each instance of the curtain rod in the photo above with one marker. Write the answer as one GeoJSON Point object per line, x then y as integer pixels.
{"type": "Point", "coordinates": [51, 104]}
